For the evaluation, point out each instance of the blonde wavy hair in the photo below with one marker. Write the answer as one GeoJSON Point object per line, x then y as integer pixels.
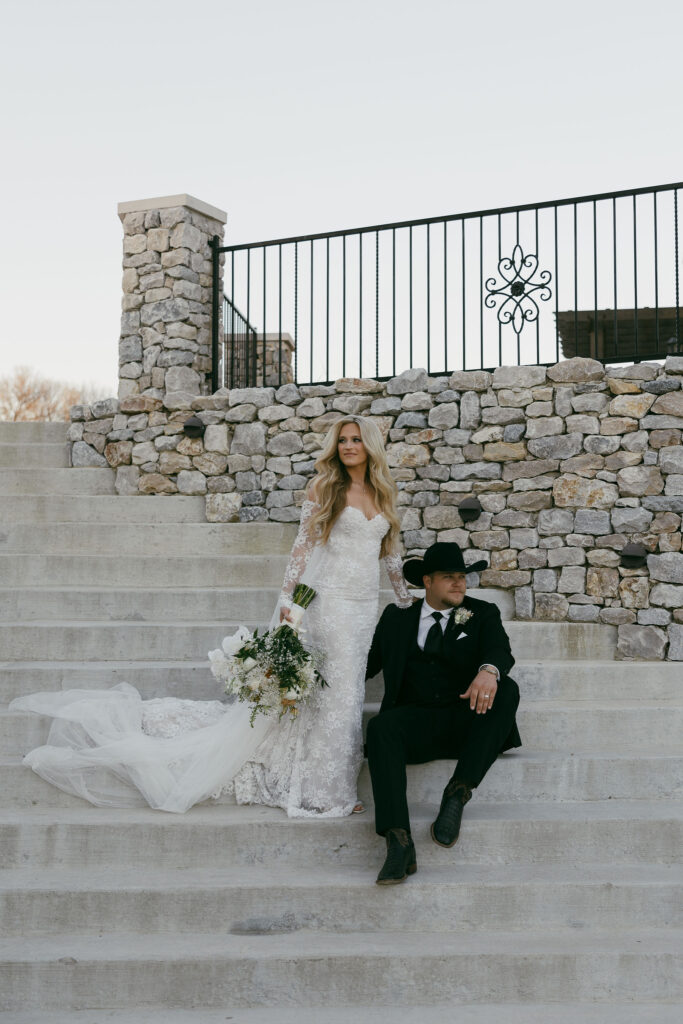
{"type": "Point", "coordinates": [331, 482]}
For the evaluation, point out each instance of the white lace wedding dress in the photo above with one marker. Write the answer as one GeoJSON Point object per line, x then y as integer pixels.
{"type": "Point", "coordinates": [115, 749]}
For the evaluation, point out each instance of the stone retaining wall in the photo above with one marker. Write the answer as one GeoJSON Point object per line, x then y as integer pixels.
{"type": "Point", "coordinates": [569, 463]}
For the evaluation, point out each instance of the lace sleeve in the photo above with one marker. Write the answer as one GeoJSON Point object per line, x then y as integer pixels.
{"type": "Point", "coordinates": [393, 564]}
{"type": "Point", "coordinates": [300, 554]}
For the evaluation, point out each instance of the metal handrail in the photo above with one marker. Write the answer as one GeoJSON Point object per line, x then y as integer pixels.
{"type": "Point", "coordinates": [470, 215]}
{"type": "Point", "coordinates": [374, 300]}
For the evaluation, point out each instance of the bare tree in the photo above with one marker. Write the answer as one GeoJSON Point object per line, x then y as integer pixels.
{"type": "Point", "coordinates": [25, 395]}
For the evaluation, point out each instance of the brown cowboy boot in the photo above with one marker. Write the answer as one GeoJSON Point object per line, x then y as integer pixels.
{"type": "Point", "coordinates": [446, 829]}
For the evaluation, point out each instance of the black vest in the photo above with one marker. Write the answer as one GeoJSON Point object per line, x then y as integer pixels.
{"type": "Point", "coordinates": [429, 680]}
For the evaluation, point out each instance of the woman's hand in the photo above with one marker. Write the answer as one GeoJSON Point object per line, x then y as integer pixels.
{"type": "Point", "coordinates": [285, 614]}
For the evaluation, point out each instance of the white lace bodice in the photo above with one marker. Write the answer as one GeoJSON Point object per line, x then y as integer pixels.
{"type": "Point", "coordinates": [352, 547]}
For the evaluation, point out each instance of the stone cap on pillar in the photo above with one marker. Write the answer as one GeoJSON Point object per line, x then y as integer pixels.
{"type": "Point", "coordinates": [166, 202]}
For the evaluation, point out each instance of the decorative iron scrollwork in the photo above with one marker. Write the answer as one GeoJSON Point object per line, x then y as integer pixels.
{"type": "Point", "coordinates": [519, 306]}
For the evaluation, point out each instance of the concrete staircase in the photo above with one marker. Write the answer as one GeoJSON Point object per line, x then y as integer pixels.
{"type": "Point", "coordinates": [562, 902]}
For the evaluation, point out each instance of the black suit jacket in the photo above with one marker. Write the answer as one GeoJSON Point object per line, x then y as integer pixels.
{"type": "Point", "coordinates": [485, 643]}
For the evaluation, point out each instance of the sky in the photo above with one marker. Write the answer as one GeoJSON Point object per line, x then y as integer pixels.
{"type": "Point", "coordinates": [297, 116]}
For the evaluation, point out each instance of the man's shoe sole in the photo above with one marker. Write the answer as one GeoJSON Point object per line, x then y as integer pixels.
{"type": "Point", "coordinates": [410, 870]}
{"type": "Point", "coordinates": [446, 846]}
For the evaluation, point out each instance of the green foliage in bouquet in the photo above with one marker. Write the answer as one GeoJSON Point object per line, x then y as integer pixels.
{"type": "Point", "coordinates": [280, 653]}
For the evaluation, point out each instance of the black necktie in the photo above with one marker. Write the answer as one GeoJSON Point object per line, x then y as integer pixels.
{"type": "Point", "coordinates": [434, 641]}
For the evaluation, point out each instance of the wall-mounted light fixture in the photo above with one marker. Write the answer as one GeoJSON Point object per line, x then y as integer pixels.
{"type": "Point", "coordinates": [633, 556]}
{"type": "Point", "coordinates": [469, 509]}
{"type": "Point", "coordinates": [194, 427]}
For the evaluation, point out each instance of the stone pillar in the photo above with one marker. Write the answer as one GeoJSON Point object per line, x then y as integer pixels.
{"type": "Point", "coordinates": [275, 375]}
{"type": "Point", "coordinates": [165, 343]}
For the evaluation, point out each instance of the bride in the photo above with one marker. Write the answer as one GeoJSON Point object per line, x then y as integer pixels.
{"type": "Point", "coordinates": [115, 749]}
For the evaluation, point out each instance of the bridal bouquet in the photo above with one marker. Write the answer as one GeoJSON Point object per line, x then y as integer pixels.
{"type": "Point", "coordinates": [272, 671]}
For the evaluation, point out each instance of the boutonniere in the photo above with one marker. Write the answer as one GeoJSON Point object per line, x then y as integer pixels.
{"type": "Point", "coordinates": [461, 616]}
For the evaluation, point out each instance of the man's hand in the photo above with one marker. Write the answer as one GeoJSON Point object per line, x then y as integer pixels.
{"type": "Point", "coordinates": [481, 692]}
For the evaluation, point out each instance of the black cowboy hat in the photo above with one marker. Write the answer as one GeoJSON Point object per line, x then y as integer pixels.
{"type": "Point", "coordinates": [440, 557]}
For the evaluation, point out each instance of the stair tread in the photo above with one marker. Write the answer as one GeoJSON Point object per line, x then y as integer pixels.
{"type": "Point", "coordinates": [559, 705]}
{"type": "Point", "coordinates": [33, 445]}
{"type": "Point", "coordinates": [522, 755]}
{"type": "Point", "coordinates": [123, 947]}
{"type": "Point", "coordinates": [481, 1013]}
{"type": "Point", "coordinates": [636, 667]}
{"type": "Point", "coordinates": [583, 704]}
{"type": "Point", "coordinates": [132, 663]}
{"type": "Point", "coordinates": [84, 588]}
{"type": "Point", "coordinates": [88, 624]}
{"type": "Point", "coordinates": [351, 877]}
{"type": "Point", "coordinates": [231, 815]}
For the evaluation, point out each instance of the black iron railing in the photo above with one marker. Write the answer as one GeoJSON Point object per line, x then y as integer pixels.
{"type": "Point", "coordinates": [235, 362]}
{"type": "Point", "coordinates": [594, 275]}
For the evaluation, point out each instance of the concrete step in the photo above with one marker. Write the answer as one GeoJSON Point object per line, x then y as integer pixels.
{"type": "Point", "coordinates": [570, 681]}
{"type": "Point", "coordinates": [590, 679]}
{"type": "Point", "coordinates": [29, 433]}
{"type": "Point", "coordinates": [319, 969]}
{"type": "Point", "coordinates": [139, 571]}
{"type": "Point", "coordinates": [179, 678]}
{"type": "Point", "coordinates": [119, 640]}
{"type": "Point", "coordinates": [221, 836]}
{"type": "Point", "coordinates": [192, 604]}
{"type": "Point", "coordinates": [101, 508]}
{"type": "Point", "coordinates": [530, 775]}
{"type": "Point", "coordinates": [114, 640]}
{"type": "Point", "coordinates": [170, 569]}
{"type": "Point", "coordinates": [249, 901]}
{"type": "Point", "coordinates": [150, 539]}
{"type": "Point", "coordinates": [522, 776]}
{"type": "Point", "coordinates": [571, 1012]}
{"type": "Point", "coordinates": [41, 455]}
{"type": "Point", "coordinates": [635, 682]}
{"type": "Point", "coordinates": [592, 727]}
{"type": "Point", "coordinates": [578, 728]}
{"type": "Point", "coordinates": [57, 481]}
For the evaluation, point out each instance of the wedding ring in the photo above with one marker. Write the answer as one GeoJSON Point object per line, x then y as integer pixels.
{"type": "Point", "coordinates": [486, 696]}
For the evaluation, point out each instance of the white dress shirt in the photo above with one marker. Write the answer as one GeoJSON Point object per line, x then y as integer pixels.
{"type": "Point", "coordinates": [426, 623]}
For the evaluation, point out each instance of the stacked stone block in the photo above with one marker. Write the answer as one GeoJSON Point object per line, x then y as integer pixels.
{"type": "Point", "coordinates": [165, 343]}
{"type": "Point", "coordinates": [279, 358]}
{"type": "Point", "coordinates": [569, 464]}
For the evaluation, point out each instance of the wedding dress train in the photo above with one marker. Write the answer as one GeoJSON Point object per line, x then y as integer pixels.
{"type": "Point", "coordinates": [115, 749]}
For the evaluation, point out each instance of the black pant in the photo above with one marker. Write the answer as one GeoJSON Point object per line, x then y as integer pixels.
{"type": "Point", "coordinates": [412, 734]}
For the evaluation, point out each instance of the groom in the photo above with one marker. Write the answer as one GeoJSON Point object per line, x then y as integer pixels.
{"type": "Point", "coordinates": [447, 695]}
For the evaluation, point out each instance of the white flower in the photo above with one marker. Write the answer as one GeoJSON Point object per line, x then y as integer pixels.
{"type": "Point", "coordinates": [232, 644]}
{"type": "Point", "coordinates": [308, 672]}
{"type": "Point", "coordinates": [248, 664]}
{"type": "Point", "coordinates": [219, 664]}
{"type": "Point", "coordinates": [461, 616]}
